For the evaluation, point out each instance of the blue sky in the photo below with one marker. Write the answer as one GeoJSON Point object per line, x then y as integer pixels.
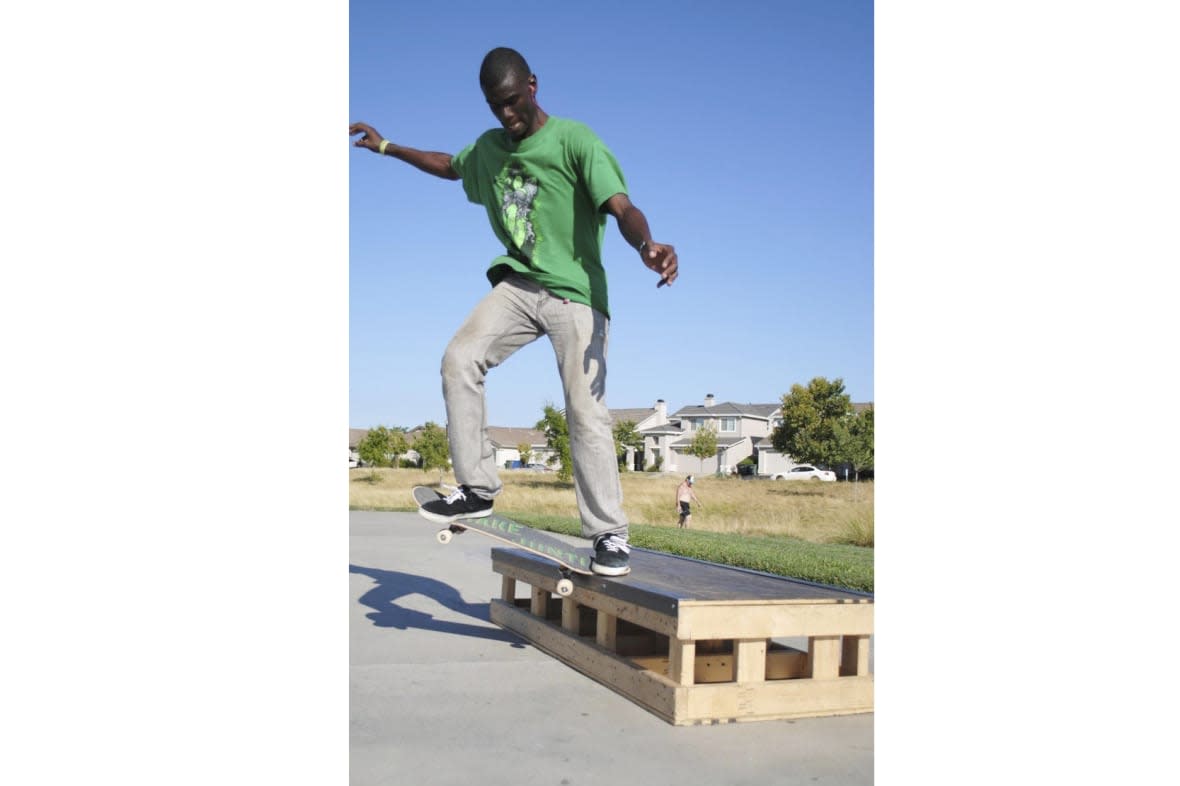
{"type": "Point", "coordinates": [746, 136]}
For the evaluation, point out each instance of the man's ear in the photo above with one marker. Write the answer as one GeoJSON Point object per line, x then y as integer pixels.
{"type": "Point", "coordinates": [533, 86]}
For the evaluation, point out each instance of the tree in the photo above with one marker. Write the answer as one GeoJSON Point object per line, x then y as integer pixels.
{"type": "Point", "coordinates": [374, 448]}
{"type": "Point", "coordinates": [557, 437]}
{"type": "Point", "coordinates": [812, 417]}
{"type": "Point", "coordinates": [380, 448]}
{"type": "Point", "coordinates": [526, 452]}
{"type": "Point", "coordinates": [703, 445]}
{"type": "Point", "coordinates": [431, 445]}
{"type": "Point", "coordinates": [626, 436]}
{"type": "Point", "coordinates": [854, 436]}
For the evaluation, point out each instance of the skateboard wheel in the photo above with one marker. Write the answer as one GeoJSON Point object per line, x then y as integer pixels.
{"type": "Point", "coordinates": [444, 536]}
{"type": "Point", "coordinates": [565, 588]}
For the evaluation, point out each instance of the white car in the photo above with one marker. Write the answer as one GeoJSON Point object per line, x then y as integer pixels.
{"type": "Point", "coordinates": [805, 472]}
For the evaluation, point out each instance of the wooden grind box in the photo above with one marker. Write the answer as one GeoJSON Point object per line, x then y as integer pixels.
{"type": "Point", "coordinates": [695, 642]}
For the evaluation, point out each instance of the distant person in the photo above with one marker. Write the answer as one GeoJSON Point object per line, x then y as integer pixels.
{"type": "Point", "coordinates": [548, 184]}
{"type": "Point", "coordinates": [684, 496]}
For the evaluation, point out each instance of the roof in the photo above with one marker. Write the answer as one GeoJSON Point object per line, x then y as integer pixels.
{"type": "Point", "coordinates": [728, 408]}
{"type": "Point", "coordinates": [355, 436]}
{"type": "Point", "coordinates": [618, 416]}
{"type": "Point", "coordinates": [667, 428]}
{"type": "Point", "coordinates": [722, 442]}
{"type": "Point", "coordinates": [511, 437]}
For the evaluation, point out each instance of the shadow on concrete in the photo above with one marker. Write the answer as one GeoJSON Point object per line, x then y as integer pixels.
{"type": "Point", "coordinates": [392, 585]}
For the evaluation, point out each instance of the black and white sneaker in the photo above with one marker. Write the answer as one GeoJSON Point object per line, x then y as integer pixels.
{"type": "Point", "coordinates": [611, 556]}
{"type": "Point", "coordinates": [462, 503]}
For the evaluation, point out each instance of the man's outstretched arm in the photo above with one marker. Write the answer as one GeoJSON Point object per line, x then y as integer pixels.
{"type": "Point", "coordinates": [437, 164]}
{"type": "Point", "coordinates": [660, 257]}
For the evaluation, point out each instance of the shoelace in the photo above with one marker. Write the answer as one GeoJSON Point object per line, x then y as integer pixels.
{"type": "Point", "coordinates": [455, 496]}
{"type": "Point", "coordinates": [615, 543]}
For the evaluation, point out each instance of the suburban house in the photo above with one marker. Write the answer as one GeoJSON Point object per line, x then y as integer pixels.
{"type": "Point", "coordinates": [647, 421]}
{"type": "Point", "coordinates": [739, 429]}
{"type": "Point", "coordinates": [355, 435]}
{"type": "Point", "coordinates": [506, 442]}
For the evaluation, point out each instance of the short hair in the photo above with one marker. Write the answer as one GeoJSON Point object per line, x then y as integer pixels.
{"type": "Point", "coordinates": [500, 64]}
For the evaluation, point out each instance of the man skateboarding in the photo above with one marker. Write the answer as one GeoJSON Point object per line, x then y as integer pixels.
{"type": "Point", "coordinates": [547, 184]}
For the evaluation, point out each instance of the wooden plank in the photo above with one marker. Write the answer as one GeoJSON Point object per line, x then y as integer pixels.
{"type": "Point", "coordinates": [570, 617]}
{"type": "Point", "coordinates": [766, 621]}
{"type": "Point", "coordinates": [608, 631]}
{"type": "Point", "coordinates": [854, 660]}
{"type": "Point", "coordinates": [750, 660]}
{"type": "Point", "coordinates": [682, 659]}
{"type": "Point", "coordinates": [653, 692]}
{"type": "Point", "coordinates": [825, 657]}
{"type": "Point", "coordinates": [540, 602]}
{"type": "Point", "coordinates": [638, 615]}
{"type": "Point", "coordinates": [774, 700]}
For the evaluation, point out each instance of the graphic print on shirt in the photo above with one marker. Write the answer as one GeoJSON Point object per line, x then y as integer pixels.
{"type": "Point", "coordinates": [519, 193]}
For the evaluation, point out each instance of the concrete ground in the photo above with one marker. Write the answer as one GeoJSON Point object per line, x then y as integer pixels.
{"type": "Point", "coordinates": [440, 695]}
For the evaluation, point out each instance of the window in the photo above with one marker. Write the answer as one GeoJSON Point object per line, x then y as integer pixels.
{"type": "Point", "coordinates": [728, 424]}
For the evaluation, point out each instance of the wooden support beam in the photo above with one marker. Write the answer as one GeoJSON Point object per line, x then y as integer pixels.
{"type": "Point", "coordinates": [570, 620]}
{"type": "Point", "coordinates": [824, 657]}
{"type": "Point", "coordinates": [855, 659]}
{"type": "Point", "coordinates": [608, 631]}
{"type": "Point", "coordinates": [682, 658]}
{"type": "Point", "coordinates": [540, 603]}
{"type": "Point", "coordinates": [751, 620]}
{"type": "Point", "coordinates": [508, 589]}
{"type": "Point", "coordinates": [750, 660]}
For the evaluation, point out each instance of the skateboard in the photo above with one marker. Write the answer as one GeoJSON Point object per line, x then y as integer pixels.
{"type": "Point", "coordinates": [569, 559]}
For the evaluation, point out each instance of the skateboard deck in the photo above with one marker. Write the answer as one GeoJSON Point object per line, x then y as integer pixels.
{"type": "Point", "coordinates": [569, 559]}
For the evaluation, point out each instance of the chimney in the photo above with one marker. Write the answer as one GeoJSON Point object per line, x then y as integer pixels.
{"type": "Point", "coordinates": [708, 399]}
{"type": "Point", "coordinates": [661, 412]}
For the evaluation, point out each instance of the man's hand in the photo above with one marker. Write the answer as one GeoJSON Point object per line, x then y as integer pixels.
{"type": "Point", "coordinates": [371, 139]}
{"type": "Point", "coordinates": [662, 259]}
{"type": "Point", "coordinates": [633, 226]}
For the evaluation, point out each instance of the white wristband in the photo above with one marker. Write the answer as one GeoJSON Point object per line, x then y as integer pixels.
{"type": "Point", "coordinates": [381, 147]}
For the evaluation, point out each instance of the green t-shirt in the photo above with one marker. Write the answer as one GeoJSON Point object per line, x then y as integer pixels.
{"type": "Point", "coordinates": [543, 196]}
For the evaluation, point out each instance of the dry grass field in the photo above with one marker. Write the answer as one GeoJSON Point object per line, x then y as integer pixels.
{"type": "Point", "coordinates": [808, 510]}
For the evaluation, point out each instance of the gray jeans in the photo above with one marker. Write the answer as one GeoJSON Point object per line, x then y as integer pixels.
{"type": "Point", "coordinates": [515, 313]}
